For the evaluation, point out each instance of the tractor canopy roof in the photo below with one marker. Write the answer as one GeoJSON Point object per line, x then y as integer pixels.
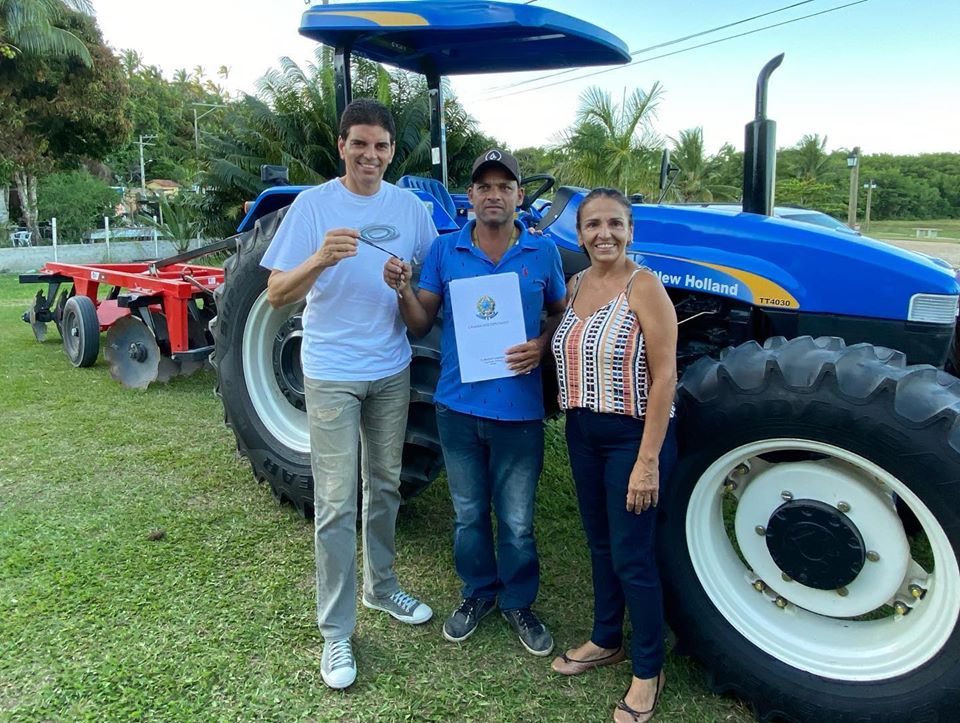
{"type": "Point", "coordinates": [457, 38]}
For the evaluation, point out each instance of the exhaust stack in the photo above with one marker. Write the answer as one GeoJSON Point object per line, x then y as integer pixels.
{"type": "Point", "coordinates": [760, 150]}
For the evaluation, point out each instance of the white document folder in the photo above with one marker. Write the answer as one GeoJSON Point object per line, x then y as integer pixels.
{"type": "Point", "coordinates": [487, 320]}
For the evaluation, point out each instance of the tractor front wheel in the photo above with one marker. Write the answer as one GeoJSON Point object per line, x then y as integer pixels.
{"type": "Point", "coordinates": [787, 569]}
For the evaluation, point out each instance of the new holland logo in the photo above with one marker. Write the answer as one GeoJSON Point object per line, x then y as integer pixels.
{"type": "Point", "coordinates": [493, 156]}
{"type": "Point", "coordinates": [486, 308]}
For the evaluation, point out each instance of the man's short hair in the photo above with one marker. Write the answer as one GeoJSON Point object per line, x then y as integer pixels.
{"type": "Point", "coordinates": [367, 112]}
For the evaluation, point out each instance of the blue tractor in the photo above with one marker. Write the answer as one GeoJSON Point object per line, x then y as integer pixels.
{"type": "Point", "coordinates": [811, 532]}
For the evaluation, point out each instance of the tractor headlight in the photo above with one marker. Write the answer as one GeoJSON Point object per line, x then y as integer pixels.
{"type": "Point", "coordinates": [933, 308]}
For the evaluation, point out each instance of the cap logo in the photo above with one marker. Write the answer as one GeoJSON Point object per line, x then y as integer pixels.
{"type": "Point", "coordinates": [493, 156]}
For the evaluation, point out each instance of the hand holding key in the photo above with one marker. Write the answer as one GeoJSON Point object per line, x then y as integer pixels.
{"type": "Point", "coordinates": [397, 274]}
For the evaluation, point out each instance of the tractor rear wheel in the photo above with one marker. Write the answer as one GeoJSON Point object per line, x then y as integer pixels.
{"type": "Point", "coordinates": [260, 381]}
{"type": "Point", "coordinates": [787, 570]}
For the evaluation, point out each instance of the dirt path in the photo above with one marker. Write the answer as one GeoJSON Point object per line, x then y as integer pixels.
{"type": "Point", "coordinates": [949, 252]}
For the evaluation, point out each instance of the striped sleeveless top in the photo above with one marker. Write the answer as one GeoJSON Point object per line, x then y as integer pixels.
{"type": "Point", "coordinates": [602, 360]}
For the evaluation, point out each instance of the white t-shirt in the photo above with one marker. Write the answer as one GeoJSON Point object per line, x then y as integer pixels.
{"type": "Point", "coordinates": [352, 330]}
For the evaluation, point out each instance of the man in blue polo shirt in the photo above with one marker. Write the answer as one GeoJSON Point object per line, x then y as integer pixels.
{"type": "Point", "coordinates": [491, 431]}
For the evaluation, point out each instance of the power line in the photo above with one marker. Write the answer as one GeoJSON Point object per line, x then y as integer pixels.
{"type": "Point", "coordinates": [677, 52]}
{"type": "Point", "coordinates": [655, 47]}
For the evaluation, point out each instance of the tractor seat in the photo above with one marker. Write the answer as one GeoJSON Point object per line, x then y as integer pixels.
{"type": "Point", "coordinates": [434, 188]}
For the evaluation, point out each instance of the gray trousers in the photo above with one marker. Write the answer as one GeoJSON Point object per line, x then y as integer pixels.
{"type": "Point", "coordinates": [340, 415]}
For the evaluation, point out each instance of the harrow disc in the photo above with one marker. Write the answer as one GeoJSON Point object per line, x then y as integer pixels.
{"type": "Point", "coordinates": [59, 307]}
{"type": "Point", "coordinates": [133, 354]}
{"type": "Point", "coordinates": [39, 330]}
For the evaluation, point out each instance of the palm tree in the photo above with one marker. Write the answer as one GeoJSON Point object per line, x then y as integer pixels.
{"type": "Point", "coordinates": [811, 162]}
{"type": "Point", "coordinates": [132, 61]}
{"type": "Point", "coordinates": [613, 144]}
{"type": "Point", "coordinates": [292, 121]}
{"type": "Point", "coordinates": [699, 178]}
{"type": "Point", "coordinates": [31, 27]}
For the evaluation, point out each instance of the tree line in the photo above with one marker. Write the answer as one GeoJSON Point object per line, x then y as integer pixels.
{"type": "Point", "coordinates": [75, 117]}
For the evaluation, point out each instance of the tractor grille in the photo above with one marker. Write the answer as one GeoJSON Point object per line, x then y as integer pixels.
{"type": "Point", "coordinates": [933, 308]}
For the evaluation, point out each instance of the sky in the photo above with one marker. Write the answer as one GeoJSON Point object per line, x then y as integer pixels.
{"type": "Point", "coordinates": [879, 74]}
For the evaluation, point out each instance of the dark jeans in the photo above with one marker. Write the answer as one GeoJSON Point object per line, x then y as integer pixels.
{"type": "Point", "coordinates": [500, 462]}
{"type": "Point", "coordinates": [603, 449]}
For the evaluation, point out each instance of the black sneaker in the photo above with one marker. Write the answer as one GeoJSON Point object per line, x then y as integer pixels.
{"type": "Point", "coordinates": [532, 633]}
{"type": "Point", "coordinates": [465, 619]}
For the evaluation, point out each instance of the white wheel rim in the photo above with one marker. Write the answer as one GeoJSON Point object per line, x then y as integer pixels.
{"type": "Point", "coordinates": [824, 644]}
{"type": "Point", "coordinates": [282, 420]}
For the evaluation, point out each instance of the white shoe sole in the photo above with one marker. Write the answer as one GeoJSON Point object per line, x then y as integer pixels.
{"type": "Point", "coordinates": [408, 619]}
{"type": "Point", "coordinates": [338, 684]}
{"type": "Point", "coordinates": [538, 653]}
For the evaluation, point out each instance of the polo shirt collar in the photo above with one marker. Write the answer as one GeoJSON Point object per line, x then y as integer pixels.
{"type": "Point", "coordinates": [525, 241]}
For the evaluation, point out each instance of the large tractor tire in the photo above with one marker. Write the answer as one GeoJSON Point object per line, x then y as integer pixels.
{"type": "Point", "coordinates": [260, 381]}
{"type": "Point", "coordinates": [787, 570]}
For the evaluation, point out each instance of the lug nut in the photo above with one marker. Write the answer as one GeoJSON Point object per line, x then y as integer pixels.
{"type": "Point", "coordinates": [759, 585]}
{"type": "Point", "coordinates": [729, 486]}
{"type": "Point", "coordinates": [842, 591]}
{"type": "Point", "coordinates": [901, 608]}
{"type": "Point", "coordinates": [759, 529]}
{"type": "Point", "coordinates": [786, 495]}
{"type": "Point", "coordinates": [918, 592]}
{"type": "Point", "coordinates": [843, 507]}
{"type": "Point", "coordinates": [786, 577]}
{"type": "Point", "coordinates": [741, 469]}
{"type": "Point", "coordinates": [780, 602]}
{"type": "Point", "coordinates": [873, 556]}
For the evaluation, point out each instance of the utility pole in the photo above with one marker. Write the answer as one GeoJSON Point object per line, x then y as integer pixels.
{"type": "Point", "coordinates": [870, 185]}
{"type": "Point", "coordinates": [853, 163]}
{"type": "Point", "coordinates": [196, 121]}
{"type": "Point", "coordinates": [143, 177]}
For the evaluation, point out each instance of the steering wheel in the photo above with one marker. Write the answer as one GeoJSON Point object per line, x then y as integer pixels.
{"type": "Point", "coordinates": [547, 182]}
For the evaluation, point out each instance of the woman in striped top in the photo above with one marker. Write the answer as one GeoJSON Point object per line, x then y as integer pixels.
{"type": "Point", "coordinates": [616, 365]}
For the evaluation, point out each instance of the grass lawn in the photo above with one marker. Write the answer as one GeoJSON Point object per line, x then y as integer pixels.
{"type": "Point", "coordinates": [947, 228]}
{"type": "Point", "coordinates": [215, 619]}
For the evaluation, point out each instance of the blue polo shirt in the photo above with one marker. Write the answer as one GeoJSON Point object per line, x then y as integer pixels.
{"type": "Point", "coordinates": [536, 262]}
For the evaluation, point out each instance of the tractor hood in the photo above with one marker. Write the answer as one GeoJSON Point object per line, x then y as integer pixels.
{"type": "Point", "coordinates": [448, 38]}
{"type": "Point", "coordinates": [777, 264]}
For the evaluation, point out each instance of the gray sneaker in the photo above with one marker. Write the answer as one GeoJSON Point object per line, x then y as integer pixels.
{"type": "Point", "coordinates": [337, 666]}
{"type": "Point", "coordinates": [404, 607]}
{"type": "Point", "coordinates": [466, 618]}
{"type": "Point", "coordinates": [532, 632]}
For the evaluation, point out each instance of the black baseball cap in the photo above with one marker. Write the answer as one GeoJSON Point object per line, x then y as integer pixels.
{"type": "Point", "coordinates": [496, 157]}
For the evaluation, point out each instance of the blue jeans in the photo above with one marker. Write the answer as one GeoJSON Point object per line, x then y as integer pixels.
{"type": "Point", "coordinates": [493, 461]}
{"type": "Point", "coordinates": [603, 449]}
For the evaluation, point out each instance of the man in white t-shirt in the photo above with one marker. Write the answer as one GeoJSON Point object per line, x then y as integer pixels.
{"type": "Point", "coordinates": [355, 359]}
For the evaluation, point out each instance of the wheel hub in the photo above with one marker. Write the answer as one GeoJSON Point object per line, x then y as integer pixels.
{"type": "Point", "coordinates": [137, 351]}
{"type": "Point", "coordinates": [286, 361]}
{"type": "Point", "coordinates": [823, 515]}
{"type": "Point", "coordinates": [815, 544]}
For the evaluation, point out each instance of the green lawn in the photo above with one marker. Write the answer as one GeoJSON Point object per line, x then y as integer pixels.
{"type": "Point", "coordinates": [947, 228]}
{"type": "Point", "coordinates": [215, 619]}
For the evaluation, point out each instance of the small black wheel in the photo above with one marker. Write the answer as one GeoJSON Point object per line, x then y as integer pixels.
{"type": "Point", "coordinates": [81, 331]}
